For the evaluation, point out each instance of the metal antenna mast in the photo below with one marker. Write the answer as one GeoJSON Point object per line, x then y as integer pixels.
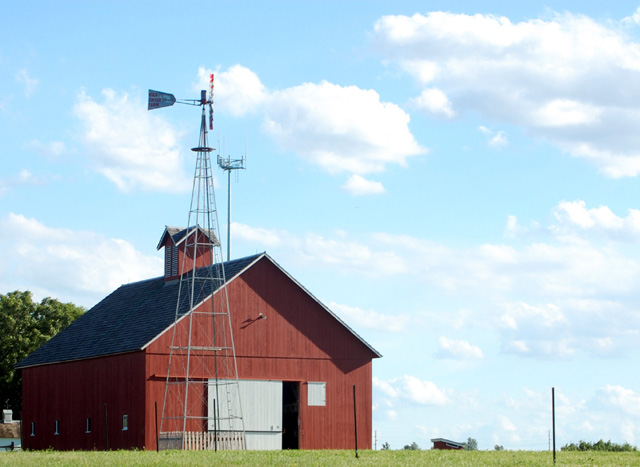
{"type": "Point", "coordinates": [201, 407]}
{"type": "Point", "coordinates": [228, 165]}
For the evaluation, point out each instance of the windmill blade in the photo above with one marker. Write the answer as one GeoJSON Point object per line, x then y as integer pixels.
{"type": "Point", "coordinates": [159, 99]}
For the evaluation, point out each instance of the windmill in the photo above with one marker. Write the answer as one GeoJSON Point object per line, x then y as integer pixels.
{"type": "Point", "coordinates": [201, 407]}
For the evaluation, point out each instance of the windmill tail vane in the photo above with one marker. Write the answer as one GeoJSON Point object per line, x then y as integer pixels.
{"type": "Point", "coordinates": [159, 99]}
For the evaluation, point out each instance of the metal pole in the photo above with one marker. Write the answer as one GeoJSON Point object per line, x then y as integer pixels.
{"type": "Point", "coordinates": [228, 215]}
{"type": "Point", "coordinates": [155, 404]}
{"type": "Point", "coordinates": [106, 429]}
{"type": "Point", "coordinates": [553, 421]}
{"type": "Point", "coordinates": [355, 419]}
{"type": "Point", "coordinates": [215, 427]}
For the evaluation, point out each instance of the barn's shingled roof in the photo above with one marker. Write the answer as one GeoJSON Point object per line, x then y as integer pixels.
{"type": "Point", "coordinates": [124, 321]}
{"type": "Point", "coordinates": [133, 315]}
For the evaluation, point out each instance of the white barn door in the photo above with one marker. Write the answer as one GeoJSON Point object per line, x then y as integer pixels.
{"type": "Point", "coordinates": [261, 412]}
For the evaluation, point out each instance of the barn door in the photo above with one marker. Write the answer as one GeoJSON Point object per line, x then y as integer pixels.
{"type": "Point", "coordinates": [261, 411]}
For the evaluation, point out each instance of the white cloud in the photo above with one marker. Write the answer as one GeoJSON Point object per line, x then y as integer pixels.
{"type": "Point", "coordinates": [495, 139]}
{"type": "Point", "coordinates": [51, 149]}
{"type": "Point", "coordinates": [349, 255]}
{"type": "Point", "coordinates": [256, 235]}
{"type": "Point", "coordinates": [522, 314]}
{"type": "Point", "coordinates": [24, 177]}
{"type": "Point", "coordinates": [513, 228]}
{"type": "Point", "coordinates": [573, 217]}
{"type": "Point", "coordinates": [30, 84]}
{"type": "Point", "coordinates": [357, 185]}
{"type": "Point", "coordinates": [434, 101]}
{"type": "Point", "coordinates": [573, 221]}
{"type": "Point", "coordinates": [78, 266]}
{"type": "Point", "coordinates": [422, 392]}
{"type": "Point", "coordinates": [634, 18]}
{"type": "Point", "coordinates": [560, 268]}
{"type": "Point", "coordinates": [412, 389]}
{"type": "Point", "coordinates": [132, 147]}
{"type": "Point", "coordinates": [507, 424]}
{"type": "Point", "coordinates": [312, 248]}
{"type": "Point", "coordinates": [457, 349]}
{"type": "Point", "coordinates": [554, 269]}
{"type": "Point", "coordinates": [538, 331]}
{"type": "Point", "coordinates": [518, 346]}
{"type": "Point", "coordinates": [339, 128]}
{"type": "Point", "coordinates": [557, 348]}
{"type": "Point", "coordinates": [565, 112]}
{"type": "Point", "coordinates": [384, 386]}
{"type": "Point", "coordinates": [370, 319]}
{"type": "Point", "coordinates": [237, 91]}
{"type": "Point", "coordinates": [558, 78]}
{"type": "Point", "coordinates": [620, 399]}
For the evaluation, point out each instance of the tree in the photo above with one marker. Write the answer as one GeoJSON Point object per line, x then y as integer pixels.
{"type": "Point", "coordinates": [471, 445]}
{"type": "Point", "coordinates": [499, 447]}
{"type": "Point", "coordinates": [601, 445]}
{"type": "Point", "coordinates": [412, 447]}
{"type": "Point", "coordinates": [386, 447]}
{"type": "Point", "coordinates": [24, 326]}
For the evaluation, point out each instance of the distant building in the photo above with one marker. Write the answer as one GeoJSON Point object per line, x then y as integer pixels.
{"type": "Point", "coordinates": [9, 431]}
{"type": "Point", "coordinates": [95, 384]}
{"type": "Point", "coordinates": [441, 443]}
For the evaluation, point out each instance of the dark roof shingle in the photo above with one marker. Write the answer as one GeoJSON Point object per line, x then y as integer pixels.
{"type": "Point", "coordinates": [124, 321]}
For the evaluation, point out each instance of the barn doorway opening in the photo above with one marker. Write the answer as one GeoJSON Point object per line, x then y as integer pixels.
{"type": "Point", "coordinates": [290, 414]}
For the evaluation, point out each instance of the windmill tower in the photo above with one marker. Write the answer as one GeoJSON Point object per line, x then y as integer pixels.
{"type": "Point", "coordinates": [201, 407]}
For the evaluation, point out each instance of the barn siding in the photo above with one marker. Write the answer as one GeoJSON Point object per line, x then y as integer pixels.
{"type": "Point", "coordinates": [298, 341]}
{"type": "Point", "coordinates": [72, 391]}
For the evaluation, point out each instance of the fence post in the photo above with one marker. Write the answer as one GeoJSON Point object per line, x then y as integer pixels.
{"type": "Point", "coordinates": [553, 421]}
{"type": "Point", "coordinates": [355, 419]}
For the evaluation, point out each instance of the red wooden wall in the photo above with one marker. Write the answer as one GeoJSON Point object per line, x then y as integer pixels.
{"type": "Point", "coordinates": [71, 392]}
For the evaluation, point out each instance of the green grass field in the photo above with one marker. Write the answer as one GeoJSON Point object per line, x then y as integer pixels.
{"type": "Point", "coordinates": [317, 458]}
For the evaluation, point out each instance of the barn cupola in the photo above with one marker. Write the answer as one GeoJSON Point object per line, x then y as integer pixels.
{"type": "Point", "coordinates": [185, 249]}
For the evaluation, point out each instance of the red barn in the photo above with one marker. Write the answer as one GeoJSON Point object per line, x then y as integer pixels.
{"type": "Point", "coordinates": [96, 384]}
{"type": "Point", "coordinates": [441, 443]}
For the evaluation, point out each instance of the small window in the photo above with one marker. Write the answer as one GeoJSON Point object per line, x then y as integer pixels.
{"type": "Point", "coordinates": [167, 261]}
{"type": "Point", "coordinates": [317, 394]}
{"type": "Point", "coordinates": [33, 428]}
{"type": "Point", "coordinates": [88, 430]}
{"type": "Point", "coordinates": [125, 422]}
{"type": "Point", "coordinates": [57, 432]}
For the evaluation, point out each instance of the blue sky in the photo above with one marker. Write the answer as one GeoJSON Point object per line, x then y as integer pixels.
{"type": "Point", "coordinates": [457, 180]}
